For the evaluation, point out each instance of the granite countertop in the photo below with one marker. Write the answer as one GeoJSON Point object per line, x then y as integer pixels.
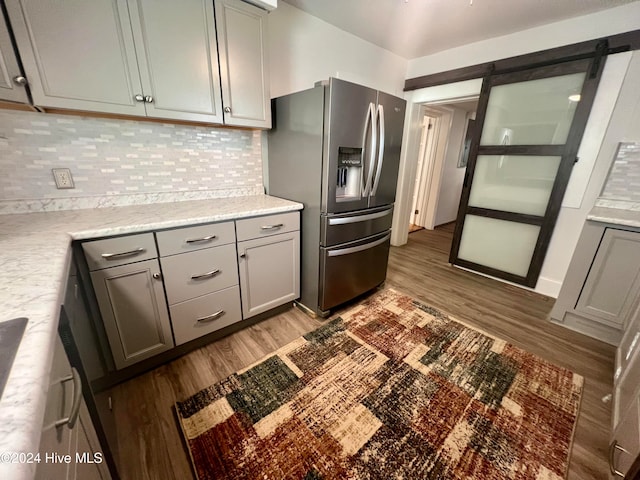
{"type": "Point", "coordinates": [616, 212]}
{"type": "Point", "coordinates": [35, 256]}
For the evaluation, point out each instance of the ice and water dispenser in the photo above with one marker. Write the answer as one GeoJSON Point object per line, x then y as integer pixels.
{"type": "Point", "coordinates": [349, 181]}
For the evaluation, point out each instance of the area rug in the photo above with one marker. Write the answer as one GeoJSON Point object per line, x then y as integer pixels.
{"type": "Point", "coordinates": [393, 389]}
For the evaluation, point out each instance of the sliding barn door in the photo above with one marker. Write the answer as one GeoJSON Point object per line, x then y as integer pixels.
{"type": "Point", "coordinates": [528, 129]}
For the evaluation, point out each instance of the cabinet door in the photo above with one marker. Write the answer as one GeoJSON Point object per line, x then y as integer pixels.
{"type": "Point", "coordinates": [88, 461]}
{"type": "Point", "coordinates": [244, 71]}
{"type": "Point", "coordinates": [269, 272]}
{"type": "Point", "coordinates": [613, 281]}
{"type": "Point", "coordinates": [78, 54]}
{"type": "Point", "coordinates": [9, 68]}
{"type": "Point", "coordinates": [134, 311]}
{"type": "Point", "coordinates": [625, 443]}
{"type": "Point", "coordinates": [53, 439]}
{"type": "Point", "coordinates": [178, 58]}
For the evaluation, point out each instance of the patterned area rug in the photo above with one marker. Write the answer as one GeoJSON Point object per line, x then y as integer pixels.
{"type": "Point", "coordinates": [392, 390]}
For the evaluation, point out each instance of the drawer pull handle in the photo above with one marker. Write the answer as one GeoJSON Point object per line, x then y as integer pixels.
{"type": "Point", "coordinates": [113, 256]}
{"type": "Point", "coordinates": [209, 318]}
{"type": "Point", "coordinates": [612, 451]}
{"type": "Point", "coordinates": [70, 421]}
{"type": "Point", "coordinates": [272, 227]}
{"type": "Point", "coordinates": [212, 273]}
{"type": "Point", "coordinates": [208, 238]}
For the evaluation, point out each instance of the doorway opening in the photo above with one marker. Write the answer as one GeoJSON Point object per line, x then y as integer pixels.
{"type": "Point", "coordinates": [445, 129]}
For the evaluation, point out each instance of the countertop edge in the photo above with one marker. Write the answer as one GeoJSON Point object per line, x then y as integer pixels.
{"type": "Point", "coordinates": [23, 401]}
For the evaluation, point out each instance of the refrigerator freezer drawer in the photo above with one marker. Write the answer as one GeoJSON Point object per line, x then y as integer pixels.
{"type": "Point", "coordinates": [350, 270]}
{"type": "Point", "coordinates": [348, 227]}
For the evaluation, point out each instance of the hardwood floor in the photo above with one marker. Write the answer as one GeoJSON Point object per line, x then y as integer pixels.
{"type": "Point", "coordinates": [150, 445]}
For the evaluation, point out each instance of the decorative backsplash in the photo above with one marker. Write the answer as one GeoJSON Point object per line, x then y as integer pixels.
{"type": "Point", "coordinates": [119, 162]}
{"type": "Point", "coordinates": [623, 182]}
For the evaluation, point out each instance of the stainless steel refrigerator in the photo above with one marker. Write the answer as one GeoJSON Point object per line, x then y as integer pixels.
{"type": "Point", "coordinates": [336, 149]}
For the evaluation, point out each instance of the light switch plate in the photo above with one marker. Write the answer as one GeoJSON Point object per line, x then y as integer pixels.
{"type": "Point", "coordinates": [63, 178]}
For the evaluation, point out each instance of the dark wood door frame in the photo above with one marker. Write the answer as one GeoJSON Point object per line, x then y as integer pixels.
{"type": "Point", "coordinates": [567, 151]}
{"type": "Point", "coordinates": [622, 42]}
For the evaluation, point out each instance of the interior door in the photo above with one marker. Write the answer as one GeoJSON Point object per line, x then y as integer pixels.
{"type": "Point", "coordinates": [529, 127]}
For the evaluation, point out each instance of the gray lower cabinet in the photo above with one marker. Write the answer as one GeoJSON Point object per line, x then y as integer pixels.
{"type": "Point", "coordinates": [269, 272]}
{"type": "Point", "coordinates": [194, 283]}
{"type": "Point", "coordinates": [602, 284]}
{"type": "Point", "coordinates": [134, 311]}
{"type": "Point", "coordinates": [201, 280]}
{"type": "Point", "coordinates": [613, 282]}
{"type": "Point", "coordinates": [67, 428]}
{"type": "Point", "coordinates": [625, 440]}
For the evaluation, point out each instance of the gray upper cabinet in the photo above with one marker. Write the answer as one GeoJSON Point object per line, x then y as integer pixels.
{"type": "Point", "coordinates": [78, 54]}
{"type": "Point", "coordinates": [155, 58]}
{"type": "Point", "coordinates": [243, 64]}
{"type": "Point", "coordinates": [177, 53]}
{"type": "Point", "coordinates": [12, 82]}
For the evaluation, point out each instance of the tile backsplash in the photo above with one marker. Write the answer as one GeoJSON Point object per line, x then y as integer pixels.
{"type": "Point", "coordinates": [623, 182]}
{"type": "Point", "coordinates": [116, 162]}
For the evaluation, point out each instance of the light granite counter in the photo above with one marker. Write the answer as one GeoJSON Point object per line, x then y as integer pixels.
{"type": "Point", "coordinates": [35, 256]}
{"type": "Point", "coordinates": [616, 212]}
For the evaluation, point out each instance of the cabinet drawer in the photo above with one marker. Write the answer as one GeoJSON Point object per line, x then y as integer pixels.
{"type": "Point", "coordinates": [250, 228]}
{"type": "Point", "coordinates": [194, 274]}
{"type": "Point", "coordinates": [206, 314]}
{"type": "Point", "coordinates": [112, 252]}
{"type": "Point", "coordinates": [181, 240]}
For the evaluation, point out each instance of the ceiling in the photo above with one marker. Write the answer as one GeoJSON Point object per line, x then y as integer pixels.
{"type": "Point", "coordinates": [415, 28]}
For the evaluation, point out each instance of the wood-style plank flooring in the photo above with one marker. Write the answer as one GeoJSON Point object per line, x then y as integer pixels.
{"type": "Point", "coordinates": [150, 445]}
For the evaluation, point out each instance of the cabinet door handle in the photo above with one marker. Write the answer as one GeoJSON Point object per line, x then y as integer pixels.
{"type": "Point", "coordinates": [227, 109]}
{"type": "Point", "coordinates": [212, 273]}
{"type": "Point", "coordinates": [70, 421]}
{"type": "Point", "coordinates": [272, 227]}
{"type": "Point", "coordinates": [209, 318]}
{"type": "Point", "coordinates": [208, 238]}
{"type": "Point", "coordinates": [20, 80]}
{"type": "Point", "coordinates": [138, 98]}
{"type": "Point", "coordinates": [612, 451]}
{"type": "Point", "coordinates": [148, 99]}
{"type": "Point", "coordinates": [111, 256]}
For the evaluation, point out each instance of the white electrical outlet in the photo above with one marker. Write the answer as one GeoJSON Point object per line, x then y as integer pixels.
{"type": "Point", "coordinates": [63, 178]}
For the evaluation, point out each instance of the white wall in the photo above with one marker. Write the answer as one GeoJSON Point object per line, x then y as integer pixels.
{"type": "Point", "coordinates": [411, 145]}
{"type": "Point", "coordinates": [574, 30]}
{"type": "Point", "coordinates": [304, 49]}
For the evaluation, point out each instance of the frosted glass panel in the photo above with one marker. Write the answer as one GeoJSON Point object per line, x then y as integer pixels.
{"type": "Point", "coordinates": [513, 183]}
{"type": "Point", "coordinates": [536, 112]}
{"type": "Point", "coordinates": [506, 246]}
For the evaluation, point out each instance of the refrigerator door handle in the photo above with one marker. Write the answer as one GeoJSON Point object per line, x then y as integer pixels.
{"type": "Point", "coordinates": [371, 119]}
{"type": "Point", "coordinates": [380, 115]}
{"type": "Point", "coordinates": [359, 218]}
{"type": "Point", "coordinates": [359, 248]}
